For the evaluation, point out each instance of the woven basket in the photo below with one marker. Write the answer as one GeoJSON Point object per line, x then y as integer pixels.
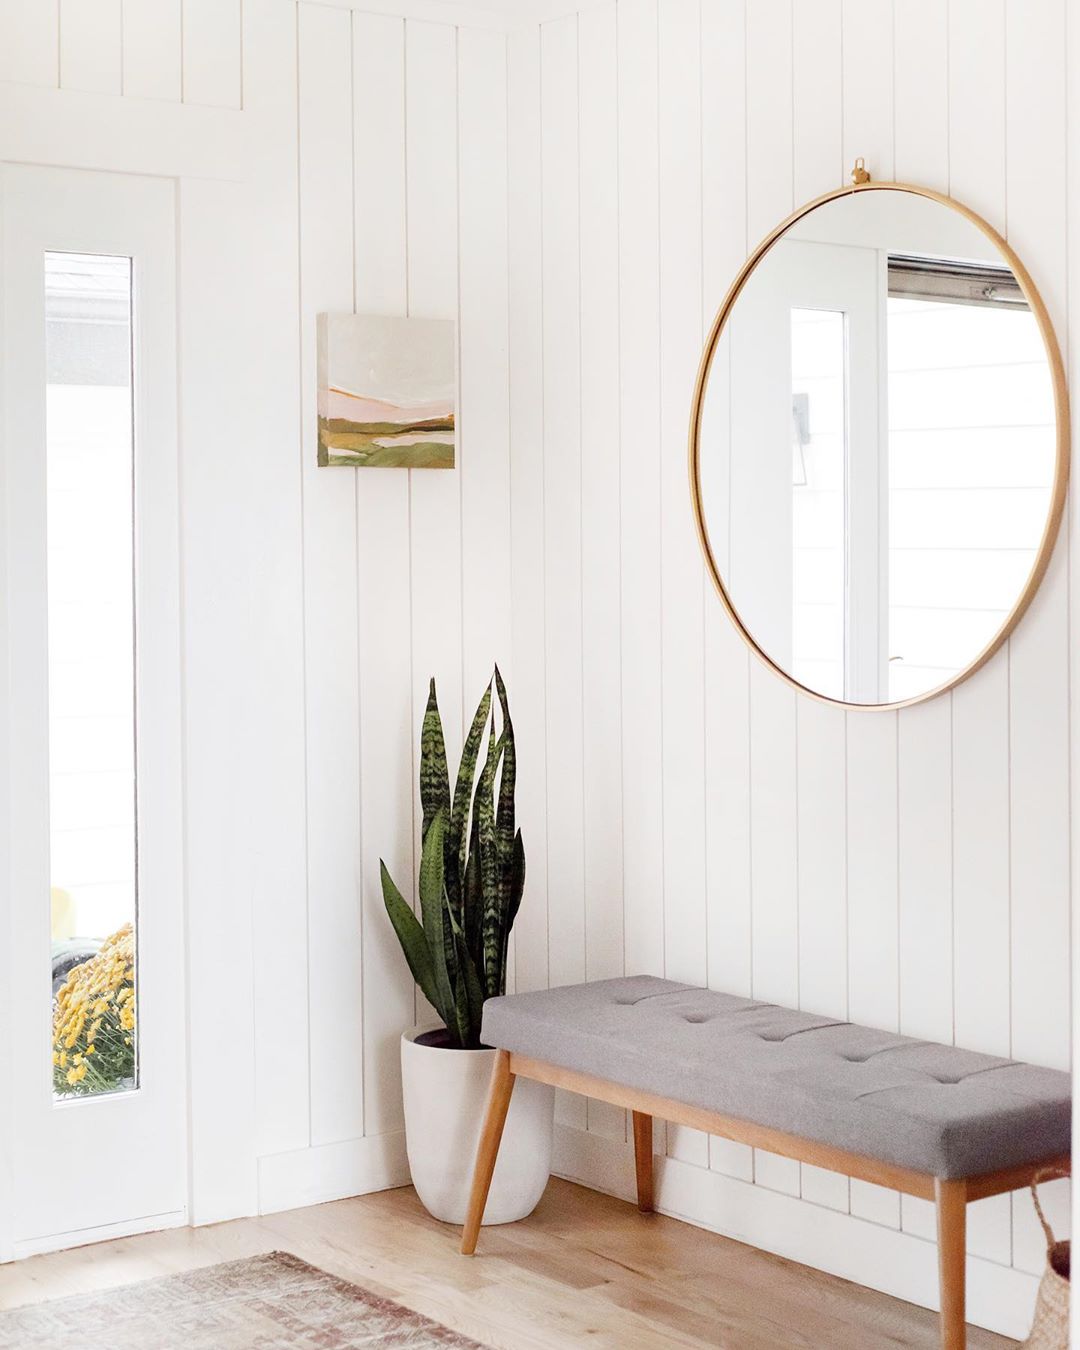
{"type": "Point", "coordinates": [1050, 1330]}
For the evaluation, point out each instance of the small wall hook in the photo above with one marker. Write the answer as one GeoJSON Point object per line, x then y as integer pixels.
{"type": "Point", "coordinates": [859, 173]}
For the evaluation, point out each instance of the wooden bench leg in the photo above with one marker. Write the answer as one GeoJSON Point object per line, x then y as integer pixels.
{"type": "Point", "coordinates": [487, 1151]}
{"type": "Point", "coordinates": [643, 1161]}
{"type": "Point", "coordinates": [951, 1199]}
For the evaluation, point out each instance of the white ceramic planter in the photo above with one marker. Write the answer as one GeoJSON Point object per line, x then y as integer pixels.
{"type": "Point", "coordinates": [445, 1093]}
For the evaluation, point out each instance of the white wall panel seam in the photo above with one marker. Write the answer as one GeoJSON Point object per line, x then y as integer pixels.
{"type": "Point", "coordinates": [580, 486]}
{"type": "Point", "coordinates": [543, 491]}
{"type": "Point", "coordinates": [303, 551]}
{"type": "Point", "coordinates": [622, 536]}
{"type": "Point", "coordinates": [464, 713]}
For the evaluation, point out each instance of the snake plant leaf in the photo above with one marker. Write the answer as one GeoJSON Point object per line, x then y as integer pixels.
{"type": "Point", "coordinates": [432, 897]}
{"type": "Point", "coordinates": [411, 936]}
{"type": "Point", "coordinates": [462, 1027]}
{"type": "Point", "coordinates": [507, 782]}
{"type": "Point", "coordinates": [465, 967]}
{"type": "Point", "coordinates": [472, 868]}
{"type": "Point", "coordinates": [475, 994]}
{"type": "Point", "coordinates": [440, 912]}
{"type": "Point", "coordinates": [484, 809]}
{"type": "Point", "coordinates": [465, 1034]}
{"type": "Point", "coordinates": [458, 839]}
{"type": "Point", "coordinates": [451, 955]}
{"type": "Point", "coordinates": [474, 898]}
{"type": "Point", "coordinates": [434, 774]}
{"type": "Point", "coordinates": [504, 819]}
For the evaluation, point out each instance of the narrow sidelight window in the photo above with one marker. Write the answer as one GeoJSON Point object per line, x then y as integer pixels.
{"type": "Point", "coordinates": [92, 762]}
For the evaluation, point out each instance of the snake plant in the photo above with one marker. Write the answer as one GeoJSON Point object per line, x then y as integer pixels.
{"type": "Point", "coordinates": [472, 869]}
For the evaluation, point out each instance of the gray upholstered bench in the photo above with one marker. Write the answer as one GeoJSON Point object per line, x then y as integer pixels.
{"type": "Point", "coordinates": [930, 1120]}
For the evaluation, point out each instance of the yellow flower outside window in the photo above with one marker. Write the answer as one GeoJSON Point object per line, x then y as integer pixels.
{"type": "Point", "coordinates": [94, 1019]}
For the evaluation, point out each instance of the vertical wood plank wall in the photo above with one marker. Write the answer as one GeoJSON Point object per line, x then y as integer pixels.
{"type": "Point", "coordinates": [684, 813]}
{"type": "Point", "coordinates": [403, 204]}
{"type": "Point", "coordinates": [910, 870]}
{"type": "Point", "coordinates": [179, 51]}
{"type": "Point", "coordinates": [578, 194]}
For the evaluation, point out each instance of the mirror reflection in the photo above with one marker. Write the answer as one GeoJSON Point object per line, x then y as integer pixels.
{"type": "Point", "coordinates": [877, 447]}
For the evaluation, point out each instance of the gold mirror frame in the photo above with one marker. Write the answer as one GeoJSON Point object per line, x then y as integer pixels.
{"type": "Point", "coordinates": [861, 182]}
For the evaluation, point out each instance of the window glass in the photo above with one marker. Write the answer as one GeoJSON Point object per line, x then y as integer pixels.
{"type": "Point", "coordinates": [90, 506]}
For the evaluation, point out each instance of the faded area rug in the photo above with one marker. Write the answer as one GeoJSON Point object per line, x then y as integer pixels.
{"type": "Point", "coordinates": [271, 1302]}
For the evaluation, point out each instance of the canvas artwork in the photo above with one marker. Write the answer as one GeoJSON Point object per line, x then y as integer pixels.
{"type": "Point", "coordinates": [386, 391]}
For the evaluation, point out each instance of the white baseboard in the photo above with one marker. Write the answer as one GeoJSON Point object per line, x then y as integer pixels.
{"type": "Point", "coordinates": [311, 1176]}
{"type": "Point", "coordinates": [84, 1237]}
{"type": "Point", "coordinates": [999, 1297]}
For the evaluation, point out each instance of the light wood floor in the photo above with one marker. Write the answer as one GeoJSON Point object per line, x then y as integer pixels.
{"type": "Point", "coordinates": [584, 1269]}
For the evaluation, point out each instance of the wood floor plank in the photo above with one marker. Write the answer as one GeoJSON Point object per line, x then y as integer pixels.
{"type": "Point", "coordinates": [584, 1269]}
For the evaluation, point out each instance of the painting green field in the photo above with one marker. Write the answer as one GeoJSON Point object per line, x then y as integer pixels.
{"type": "Point", "coordinates": [427, 444]}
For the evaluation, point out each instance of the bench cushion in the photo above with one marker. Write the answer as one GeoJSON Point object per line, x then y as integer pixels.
{"type": "Point", "coordinates": [932, 1108]}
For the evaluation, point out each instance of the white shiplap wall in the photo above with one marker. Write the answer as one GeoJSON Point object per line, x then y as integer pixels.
{"type": "Point", "coordinates": [578, 194]}
{"type": "Point", "coordinates": [909, 870]}
{"type": "Point", "coordinates": [177, 51]}
{"type": "Point", "coordinates": [403, 199]}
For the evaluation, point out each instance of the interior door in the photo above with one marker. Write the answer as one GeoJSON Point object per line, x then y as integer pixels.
{"type": "Point", "coordinates": [808, 547]}
{"type": "Point", "coordinates": [95, 1066]}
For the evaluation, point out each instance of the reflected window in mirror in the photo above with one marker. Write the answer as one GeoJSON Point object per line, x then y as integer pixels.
{"type": "Point", "coordinates": [971, 464]}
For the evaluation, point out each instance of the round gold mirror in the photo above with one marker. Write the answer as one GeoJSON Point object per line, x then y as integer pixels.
{"type": "Point", "coordinates": [879, 445]}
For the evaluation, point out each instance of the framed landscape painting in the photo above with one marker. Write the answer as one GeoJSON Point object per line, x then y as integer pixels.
{"type": "Point", "coordinates": [386, 392]}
